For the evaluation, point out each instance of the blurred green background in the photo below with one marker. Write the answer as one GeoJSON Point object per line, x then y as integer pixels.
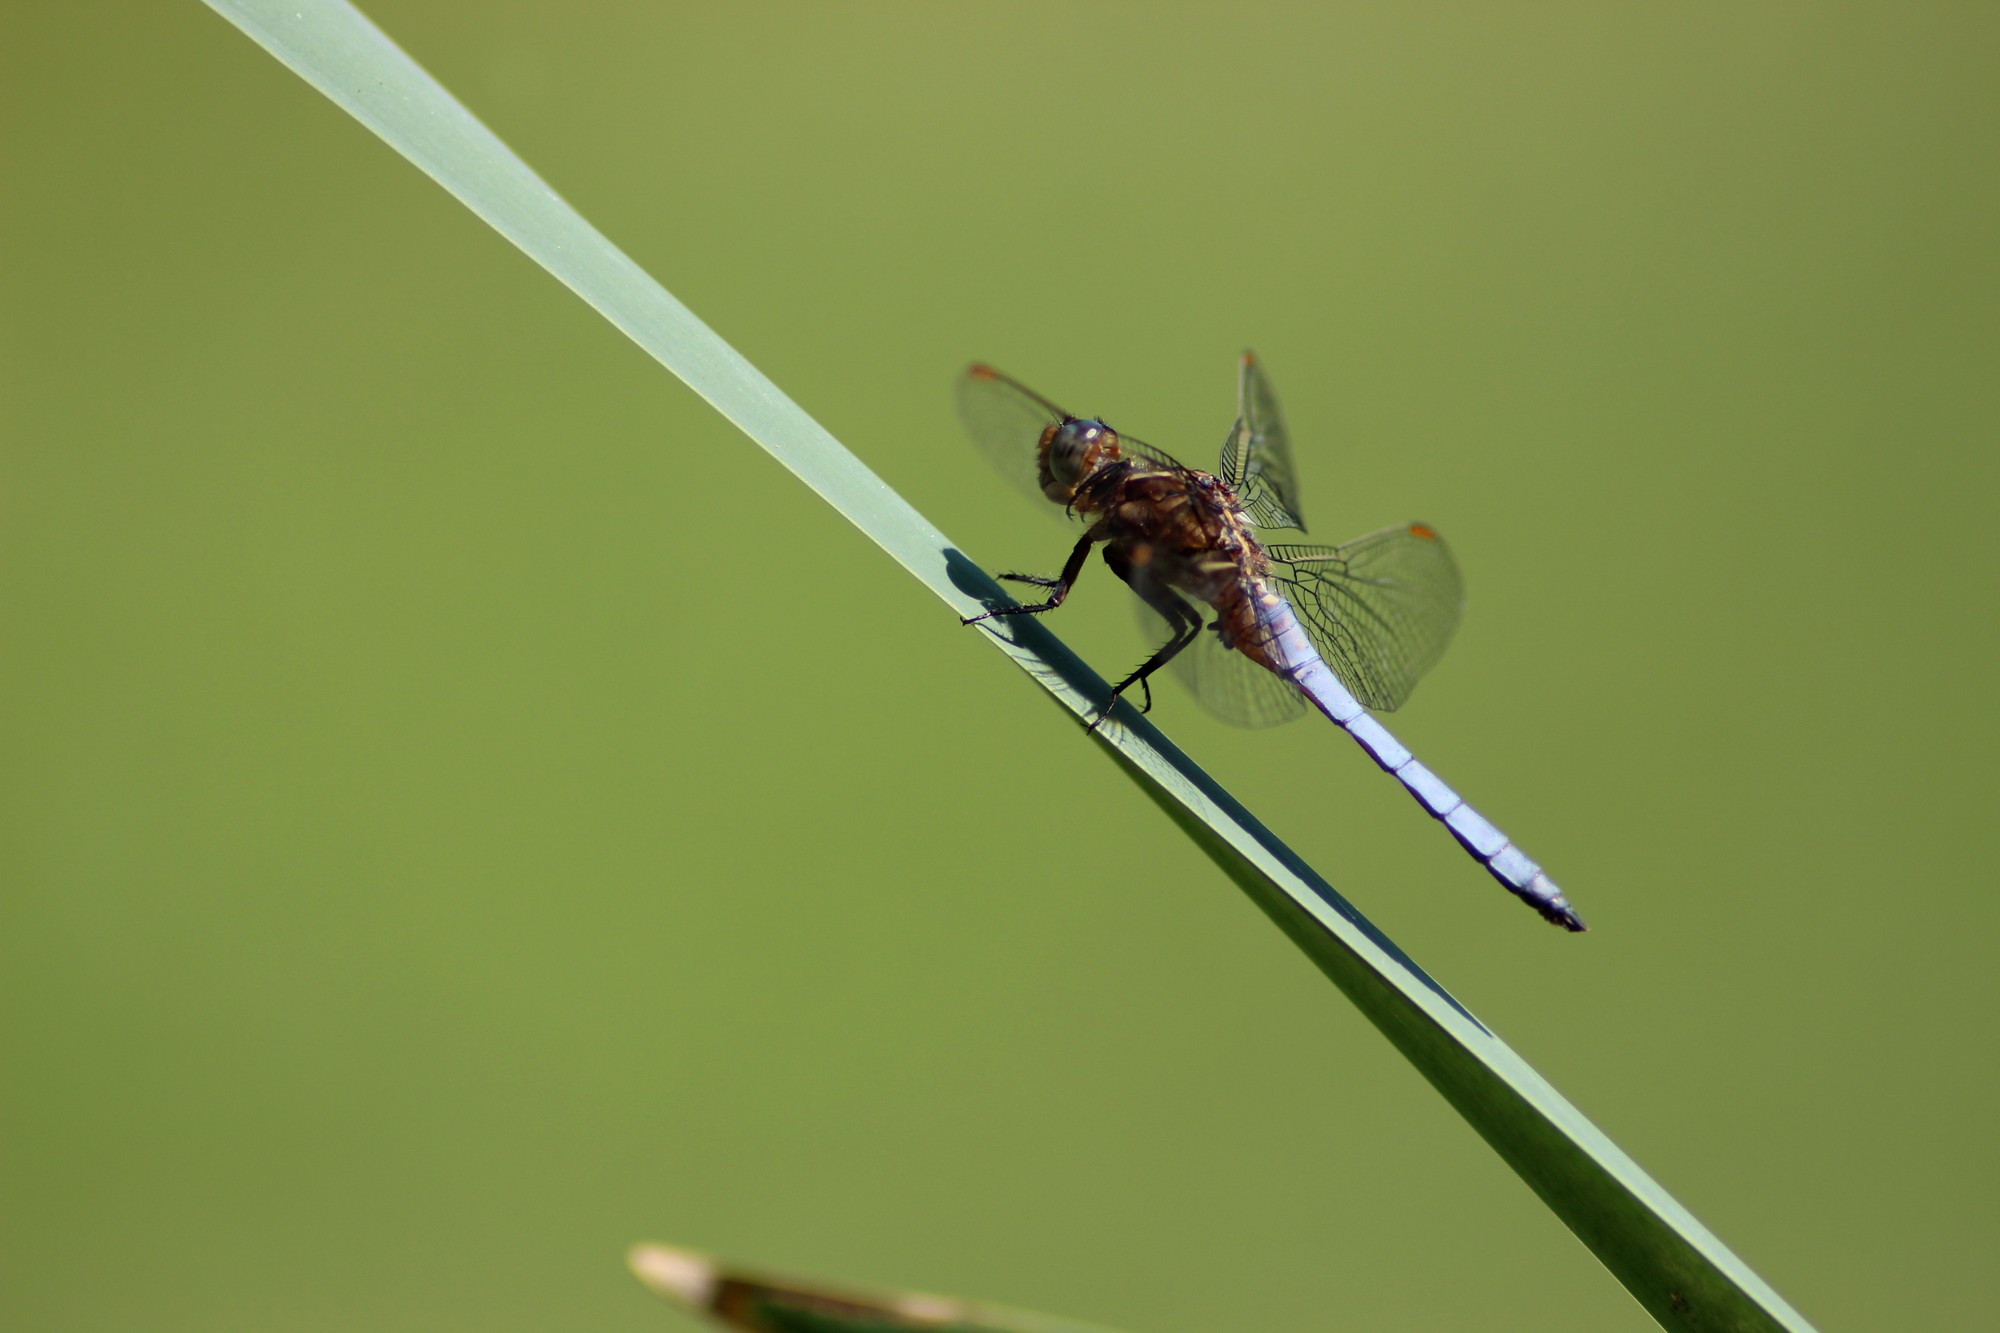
{"type": "Point", "coordinates": [466, 809]}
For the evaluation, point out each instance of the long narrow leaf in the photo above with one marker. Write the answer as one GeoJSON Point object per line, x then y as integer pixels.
{"type": "Point", "coordinates": [756, 1302]}
{"type": "Point", "coordinates": [1671, 1264]}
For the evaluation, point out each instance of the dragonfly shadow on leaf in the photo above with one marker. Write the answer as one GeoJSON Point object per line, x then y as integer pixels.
{"type": "Point", "coordinates": [1029, 642]}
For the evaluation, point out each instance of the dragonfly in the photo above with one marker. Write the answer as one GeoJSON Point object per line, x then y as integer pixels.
{"type": "Point", "coordinates": [1344, 629]}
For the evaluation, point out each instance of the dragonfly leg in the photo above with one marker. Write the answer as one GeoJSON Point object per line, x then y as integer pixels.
{"type": "Point", "coordinates": [1058, 587]}
{"type": "Point", "coordinates": [1184, 619]}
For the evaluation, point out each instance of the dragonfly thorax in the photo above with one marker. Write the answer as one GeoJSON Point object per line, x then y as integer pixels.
{"type": "Point", "coordinates": [1072, 450]}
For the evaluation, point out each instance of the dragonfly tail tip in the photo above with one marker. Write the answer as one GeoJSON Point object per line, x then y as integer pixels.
{"type": "Point", "coordinates": [1560, 913]}
{"type": "Point", "coordinates": [1542, 894]}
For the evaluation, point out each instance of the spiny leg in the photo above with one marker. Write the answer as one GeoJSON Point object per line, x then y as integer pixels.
{"type": "Point", "coordinates": [1184, 635]}
{"type": "Point", "coordinates": [1182, 617]}
{"type": "Point", "coordinates": [1059, 587]}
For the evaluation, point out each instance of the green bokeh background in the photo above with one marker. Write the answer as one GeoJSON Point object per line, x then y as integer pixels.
{"type": "Point", "coordinates": [466, 809]}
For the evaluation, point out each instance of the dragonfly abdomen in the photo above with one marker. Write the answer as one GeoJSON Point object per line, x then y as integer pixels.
{"type": "Point", "coordinates": [1488, 845]}
{"type": "Point", "coordinates": [1476, 833]}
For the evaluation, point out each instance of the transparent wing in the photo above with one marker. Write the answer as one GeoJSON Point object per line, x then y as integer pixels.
{"type": "Point", "coordinates": [1224, 681]}
{"type": "Point", "coordinates": [1006, 419]}
{"type": "Point", "coordinates": [1234, 688]}
{"type": "Point", "coordinates": [1257, 459]}
{"type": "Point", "coordinates": [1380, 609]}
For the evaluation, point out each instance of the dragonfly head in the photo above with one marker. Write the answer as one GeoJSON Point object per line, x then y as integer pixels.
{"type": "Point", "coordinates": [1072, 450]}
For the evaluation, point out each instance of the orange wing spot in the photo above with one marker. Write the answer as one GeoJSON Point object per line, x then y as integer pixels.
{"type": "Point", "coordinates": [980, 371]}
{"type": "Point", "coordinates": [1423, 532]}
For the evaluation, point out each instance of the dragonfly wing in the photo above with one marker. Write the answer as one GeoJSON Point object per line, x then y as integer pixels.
{"type": "Point", "coordinates": [1257, 459]}
{"type": "Point", "coordinates": [1006, 419]}
{"type": "Point", "coordinates": [1139, 451]}
{"type": "Point", "coordinates": [1380, 609]}
{"type": "Point", "coordinates": [1226, 683]}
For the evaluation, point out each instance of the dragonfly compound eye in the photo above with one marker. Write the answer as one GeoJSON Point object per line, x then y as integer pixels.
{"type": "Point", "coordinates": [1076, 449]}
